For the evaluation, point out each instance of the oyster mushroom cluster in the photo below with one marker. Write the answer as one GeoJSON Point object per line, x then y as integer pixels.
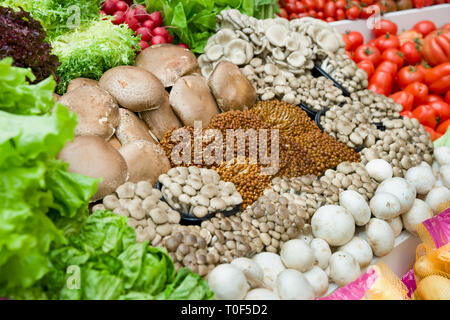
{"type": "Point", "coordinates": [198, 191]}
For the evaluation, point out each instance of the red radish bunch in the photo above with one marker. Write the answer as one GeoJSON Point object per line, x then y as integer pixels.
{"type": "Point", "coordinates": [149, 26]}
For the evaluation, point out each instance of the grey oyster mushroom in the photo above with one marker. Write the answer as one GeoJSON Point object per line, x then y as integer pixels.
{"type": "Point", "coordinates": [198, 192]}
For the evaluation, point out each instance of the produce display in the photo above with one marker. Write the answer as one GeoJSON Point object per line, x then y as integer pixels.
{"type": "Point", "coordinates": [166, 150]}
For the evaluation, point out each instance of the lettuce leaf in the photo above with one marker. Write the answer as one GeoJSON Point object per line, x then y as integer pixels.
{"type": "Point", "coordinates": [443, 141]}
{"type": "Point", "coordinates": [90, 51]}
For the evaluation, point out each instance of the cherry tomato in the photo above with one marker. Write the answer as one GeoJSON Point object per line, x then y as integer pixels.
{"type": "Point", "coordinates": [447, 97]}
{"type": "Point", "coordinates": [293, 16]}
{"type": "Point", "coordinates": [419, 91]}
{"type": "Point", "coordinates": [433, 97]}
{"type": "Point", "coordinates": [340, 14]}
{"type": "Point", "coordinates": [341, 4]}
{"type": "Point", "coordinates": [409, 74]}
{"type": "Point", "coordinates": [442, 110]}
{"type": "Point", "coordinates": [299, 7]}
{"type": "Point", "coordinates": [389, 67]}
{"type": "Point", "coordinates": [283, 13]}
{"type": "Point", "coordinates": [366, 12]}
{"type": "Point", "coordinates": [407, 114]}
{"type": "Point", "coordinates": [329, 19]}
{"type": "Point", "coordinates": [290, 7]}
{"type": "Point", "coordinates": [353, 12]}
{"type": "Point", "coordinates": [411, 51]}
{"type": "Point", "coordinates": [356, 38]}
{"type": "Point", "coordinates": [387, 41]}
{"type": "Point", "coordinates": [443, 127]}
{"type": "Point", "coordinates": [312, 13]}
{"type": "Point", "coordinates": [426, 115]}
{"type": "Point", "coordinates": [319, 4]}
{"type": "Point", "coordinates": [424, 27]}
{"type": "Point", "coordinates": [330, 9]}
{"type": "Point", "coordinates": [381, 82]}
{"type": "Point", "coordinates": [367, 2]}
{"type": "Point", "coordinates": [366, 52]}
{"type": "Point", "coordinates": [384, 26]}
{"type": "Point", "coordinates": [404, 98]}
{"type": "Point", "coordinates": [309, 4]}
{"type": "Point", "coordinates": [320, 15]}
{"type": "Point", "coordinates": [394, 55]}
{"type": "Point", "coordinates": [433, 135]}
{"type": "Point", "coordinates": [367, 66]}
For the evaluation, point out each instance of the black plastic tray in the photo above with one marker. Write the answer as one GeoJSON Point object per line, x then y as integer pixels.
{"type": "Point", "coordinates": [318, 71]}
{"type": "Point", "coordinates": [192, 220]}
{"type": "Point", "coordinates": [317, 117]}
{"type": "Point", "coordinates": [310, 112]}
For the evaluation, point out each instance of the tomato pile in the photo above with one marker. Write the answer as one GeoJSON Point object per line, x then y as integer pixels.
{"type": "Point", "coordinates": [149, 26]}
{"type": "Point", "coordinates": [333, 10]}
{"type": "Point", "coordinates": [412, 67]}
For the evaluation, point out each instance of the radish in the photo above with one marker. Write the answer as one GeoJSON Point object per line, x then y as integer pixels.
{"type": "Point", "coordinates": [157, 18]}
{"type": "Point", "coordinates": [119, 17]}
{"type": "Point", "coordinates": [183, 45]}
{"type": "Point", "coordinates": [149, 24]}
{"type": "Point", "coordinates": [144, 45]}
{"type": "Point", "coordinates": [121, 6]}
{"type": "Point", "coordinates": [102, 13]}
{"type": "Point", "coordinates": [131, 21]}
{"type": "Point", "coordinates": [109, 6]}
{"type": "Point", "coordinates": [160, 31]}
{"type": "Point", "coordinates": [158, 40]}
{"type": "Point", "coordinates": [140, 13]}
{"type": "Point", "coordinates": [169, 38]}
{"type": "Point", "coordinates": [146, 34]}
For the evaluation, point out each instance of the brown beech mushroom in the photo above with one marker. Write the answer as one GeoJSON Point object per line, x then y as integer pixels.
{"type": "Point", "coordinates": [146, 161]}
{"type": "Point", "coordinates": [192, 101]}
{"type": "Point", "coordinates": [131, 128]}
{"type": "Point", "coordinates": [161, 120]}
{"type": "Point", "coordinates": [134, 88]}
{"type": "Point", "coordinates": [97, 111]}
{"type": "Point", "coordinates": [94, 157]}
{"type": "Point", "coordinates": [168, 62]}
{"type": "Point", "coordinates": [79, 82]}
{"type": "Point", "coordinates": [115, 142]}
{"type": "Point", "coordinates": [231, 88]}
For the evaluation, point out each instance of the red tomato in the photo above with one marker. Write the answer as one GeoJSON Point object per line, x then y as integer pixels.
{"type": "Point", "coordinates": [411, 51]}
{"type": "Point", "coordinates": [426, 115]}
{"type": "Point", "coordinates": [329, 19]}
{"type": "Point", "coordinates": [330, 9]}
{"type": "Point", "coordinates": [366, 52]}
{"type": "Point", "coordinates": [367, 2]}
{"type": "Point", "coordinates": [404, 98]}
{"type": "Point", "coordinates": [387, 41]}
{"type": "Point", "coordinates": [436, 47]}
{"type": "Point", "coordinates": [384, 26]}
{"type": "Point", "coordinates": [443, 127]}
{"type": "Point", "coordinates": [423, 69]}
{"type": "Point", "coordinates": [432, 133]}
{"type": "Point", "coordinates": [372, 42]}
{"type": "Point", "coordinates": [433, 97]}
{"type": "Point", "coordinates": [353, 12]}
{"type": "Point", "coordinates": [299, 7]}
{"type": "Point", "coordinates": [341, 4]}
{"type": "Point", "coordinates": [446, 26]}
{"type": "Point", "coordinates": [388, 67]}
{"type": "Point", "coordinates": [394, 55]}
{"type": "Point", "coordinates": [407, 114]}
{"type": "Point", "coordinates": [352, 39]}
{"type": "Point", "coordinates": [419, 91]}
{"type": "Point", "coordinates": [442, 110]}
{"type": "Point", "coordinates": [381, 82]}
{"type": "Point", "coordinates": [367, 66]}
{"type": "Point", "coordinates": [340, 14]}
{"type": "Point", "coordinates": [366, 12]}
{"type": "Point", "coordinates": [312, 13]}
{"type": "Point", "coordinates": [283, 13]}
{"type": "Point", "coordinates": [320, 15]}
{"type": "Point", "coordinates": [447, 97]}
{"type": "Point", "coordinates": [290, 7]}
{"type": "Point", "coordinates": [309, 4]}
{"type": "Point", "coordinates": [319, 4]}
{"type": "Point", "coordinates": [424, 27]}
{"type": "Point", "coordinates": [409, 74]}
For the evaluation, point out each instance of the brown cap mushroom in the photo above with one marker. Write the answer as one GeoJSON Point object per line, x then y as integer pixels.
{"type": "Point", "coordinates": [161, 120]}
{"type": "Point", "coordinates": [78, 82]}
{"type": "Point", "coordinates": [115, 142]}
{"type": "Point", "coordinates": [168, 62]}
{"type": "Point", "coordinates": [145, 160]}
{"type": "Point", "coordinates": [97, 110]}
{"type": "Point", "coordinates": [231, 88]}
{"type": "Point", "coordinates": [192, 101]}
{"type": "Point", "coordinates": [56, 97]}
{"type": "Point", "coordinates": [134, 88]}
{"type": "Point", "coordinates": [94, 157]}
{"type": "Point", "coordinates": [131, 128]}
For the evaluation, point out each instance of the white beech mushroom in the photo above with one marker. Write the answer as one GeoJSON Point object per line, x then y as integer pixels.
{"type": "Point", "coordinates": [97, 111]}
{"type": "Point", "coordinates": [94, 157]}
{"type": "Point", "coordinates": [419, 212]}
{"type": "Point", "coordinates": [356, 205]}
{"type": "Point", "coordinates": [360, 250]}
{"type": "Point", "coordinates": [168, 62]}
{"type": "Point", "coordinates": [134, 88]}
{"type": "Point", "coordinates": [192, 101]}
{"type": "Point", "coordinates": [231, 89]}
{"type": "Point", "coordinates": [334, 224]}
{"type": "Point", "coordinates": [380, 236]}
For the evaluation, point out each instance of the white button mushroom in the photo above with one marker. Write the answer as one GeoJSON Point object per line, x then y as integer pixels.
{"type": "Point", "coordinates": [422, 178]}
{"type": "Point", "coordinates": [419, 212]}
{"type": "Point", "coordinates": [261, 294]}
{"type": "Point", "coordinates": [318, 279]}
{"type": "Point", "coordinates": [356, 205]}
{"type": "Point", "coordinates": [438, 199]}
{"type": "Point", "coordinates": [252, 271]}
{"type": "Point", "coordinates": [360, 250]}
{"type": "Point", "coordinates": [379, 169]}
{"type": "Point", "coordinates": [396, 225]}
{"type": "Point", "coordinates": [272, 265]}
{"type": "Point", "coordinates": [445, 175]}
{"type": "Point", "coordinates": [228, 282]}
{"type": "Point", "coordinates": [380, 237]}
{"type": "Point", "coordinates": [385, 205]}
{"type": "Point", "coordinates": [322, 252]}
{"type": "Point", "coordinates": [442, 155]}
{"type": "Point", "coordinates": [293, 285]}
{"type": "Point", "coordinates": [334, 224]}
{"type": "Point", "coordinates": [402, 189]}
{"type": "Point", "coordinates": [297, 254]}
{"type": "Point", "coordinates": [343, 268]}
